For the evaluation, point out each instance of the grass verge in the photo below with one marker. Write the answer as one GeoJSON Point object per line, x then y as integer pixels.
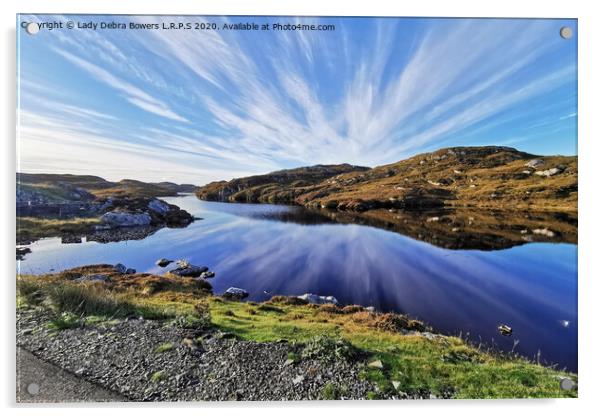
{"type": "Point", "coordinates": [409, 361]}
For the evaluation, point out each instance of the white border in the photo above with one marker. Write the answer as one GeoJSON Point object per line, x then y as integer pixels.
{"type": "Point", "coordinates": [590, 158]}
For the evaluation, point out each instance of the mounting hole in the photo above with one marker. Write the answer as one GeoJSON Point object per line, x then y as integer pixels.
{"type": "Point", "coordinates": [566, 32]}
{"type": "Point", "coordinates": [32, 28]}
{"type": "Point", "coordinates": [33, 388]}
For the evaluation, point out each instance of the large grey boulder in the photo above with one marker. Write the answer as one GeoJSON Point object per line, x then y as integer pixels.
{"type": "Point", "coordinates": [549, 172]}
{"type": "Point", "coordinates": [319, 300]}
{"type": "Point", "coordinates": [125, 219]}
{"type": "Point", "coordinates": [235, 293]}
{"type": "Point", "coordinates": [186, 269]}
{"type": "Point", "coordinates": [534, 163]}
{"type": "Point", "coordinates": [160, 207]}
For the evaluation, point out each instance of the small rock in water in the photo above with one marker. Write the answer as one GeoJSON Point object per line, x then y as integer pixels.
{"type": "Point", "coordinates": [163, 262]}
{"type": "Point", "coordinates": [235, 293]}
{"type": "Point", "coordinates": [21, 251]}
{"type": "Point", "coordinates": [505, 330]}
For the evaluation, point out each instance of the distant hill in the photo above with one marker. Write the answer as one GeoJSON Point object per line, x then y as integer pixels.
{"type": "Point", "coordinates": [276, 187]}
{"type": "Point", "coordinates": [57, 188]}
{"type": "Point", "coordinates": [487, 176]}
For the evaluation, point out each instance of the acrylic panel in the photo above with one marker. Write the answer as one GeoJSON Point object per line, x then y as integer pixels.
{"type": "Point", "coordinates": [216, 208]}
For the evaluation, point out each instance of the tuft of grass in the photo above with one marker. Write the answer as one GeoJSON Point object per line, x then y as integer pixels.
{"type": "Point", "coordinates": [158, 376]}
{"type": "Point", "coordinates": [65, 320]}
{"type": "Point", "coordinates": [166, 346]}
{"type": "Point", "coordinates": [86, 299]}
{"type": "Point", "coordinates": [330, 392]}
{"type": "Point", "coordinates": [199, 320]}
{"type": "Point", "coordinates": [353, 309]}
{"type": "Point", "coordinates": [372, 395]}
{"type": "Point", "coordinates": [293, 356]}
{"type": "Point", "coordinates": [29, 293]}
{"type": "Point", "coordinates": [265, 307]}
{"type": "Point", "coordinates": [328, 348]}
{"type": "Point", "coordinates": [288, 300]}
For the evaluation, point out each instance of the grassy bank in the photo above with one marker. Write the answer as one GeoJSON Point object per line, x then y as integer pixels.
{"type": "Point", "coordinates": [33, 228]}
{"type": "Point", "coordinates": [398, 352]}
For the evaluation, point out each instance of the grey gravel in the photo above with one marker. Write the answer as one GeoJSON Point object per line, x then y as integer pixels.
{"type": "Point", "coordinates": [122, 356]}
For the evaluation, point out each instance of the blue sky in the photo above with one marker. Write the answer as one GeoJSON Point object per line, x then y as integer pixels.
{"type": "Point", "coordinates": [197, 106]}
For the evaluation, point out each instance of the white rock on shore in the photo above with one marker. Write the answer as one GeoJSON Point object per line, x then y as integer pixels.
{"type": "Point", "coordinates": [319, 300]}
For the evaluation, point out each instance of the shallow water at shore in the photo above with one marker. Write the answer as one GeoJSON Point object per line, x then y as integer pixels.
{"type": "Point", "coordinates": [268, 250]}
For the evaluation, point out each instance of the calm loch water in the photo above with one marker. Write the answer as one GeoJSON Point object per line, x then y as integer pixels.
{"type": "Point", "coordinates": [285, 250]}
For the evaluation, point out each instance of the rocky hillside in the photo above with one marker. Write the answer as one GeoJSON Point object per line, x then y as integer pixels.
{"type": "Point", "coordinates": [282, 186]}
{"type": "Point", "coordinates": [72, 205]}
{"type": "Point", "coordinates": [45, 188]}
{"type": "Point", "coordinates": [489, 176]}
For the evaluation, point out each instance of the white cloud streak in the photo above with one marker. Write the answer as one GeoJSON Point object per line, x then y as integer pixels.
{"type": "Point", "coordinates": [251, 103]}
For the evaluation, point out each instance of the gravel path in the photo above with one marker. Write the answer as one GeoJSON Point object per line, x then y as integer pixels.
{"type": "Point", "coordinates": [42, 382]}
{"type": "Point", "coordinates": [125, 357]}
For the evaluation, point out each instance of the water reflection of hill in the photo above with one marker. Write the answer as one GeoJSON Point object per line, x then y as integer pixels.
{"type": "Point", "coordinates": [450, 228]}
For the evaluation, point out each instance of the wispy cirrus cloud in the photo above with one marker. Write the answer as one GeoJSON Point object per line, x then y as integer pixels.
{"type": "Point", "coordinates": [133, 94]}
{"type": "Point", "coordinates": [224, 103]}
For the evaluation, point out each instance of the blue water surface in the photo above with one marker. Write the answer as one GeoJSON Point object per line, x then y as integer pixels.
{"type": "Point", "coordinates": [531, 287]}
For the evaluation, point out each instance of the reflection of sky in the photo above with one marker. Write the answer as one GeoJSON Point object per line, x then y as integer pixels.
{"type": "Point", "coordinates": [531, 287]}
